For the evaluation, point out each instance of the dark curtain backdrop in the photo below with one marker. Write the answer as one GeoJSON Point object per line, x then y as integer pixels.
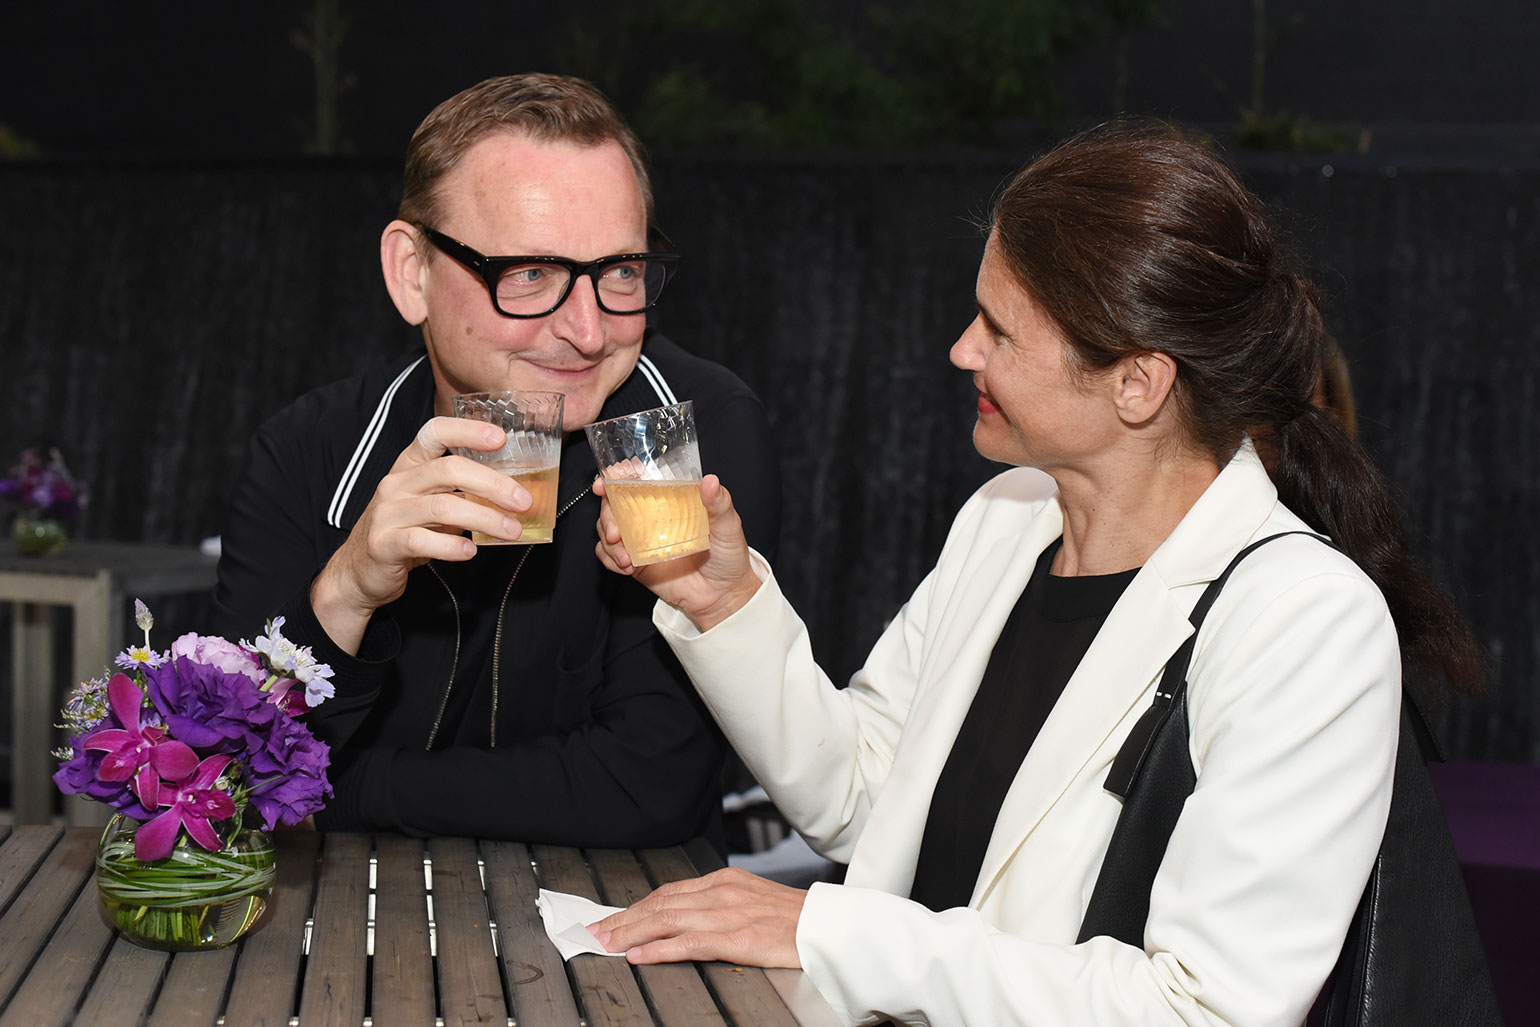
{"type": "Point", "coordinates": [152, 316]}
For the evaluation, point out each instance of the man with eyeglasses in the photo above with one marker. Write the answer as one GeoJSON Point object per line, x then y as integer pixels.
{"type": "Point", "coordinates": [507, 691]}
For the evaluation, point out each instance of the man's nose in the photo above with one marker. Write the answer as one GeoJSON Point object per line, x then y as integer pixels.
{"type": "Point", "coordinates": [579, 321]}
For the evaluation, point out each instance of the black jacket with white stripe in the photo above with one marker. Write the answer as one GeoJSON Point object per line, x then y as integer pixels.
{"type": "Point", "coordinates": [588, 732]}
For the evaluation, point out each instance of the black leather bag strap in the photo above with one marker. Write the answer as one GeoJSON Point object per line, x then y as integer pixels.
{"type": "Point", "coordinates": [1412, 957]}
{"type": "Point", "coordinates": [1154, 775]}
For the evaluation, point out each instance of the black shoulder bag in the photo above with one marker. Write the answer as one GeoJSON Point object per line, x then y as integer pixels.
{"type": "Point", "coordinates": [1412, 955]}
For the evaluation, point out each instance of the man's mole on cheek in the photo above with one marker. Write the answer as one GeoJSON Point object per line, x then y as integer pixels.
{"type": "Point", "coordinates": [467, 329]}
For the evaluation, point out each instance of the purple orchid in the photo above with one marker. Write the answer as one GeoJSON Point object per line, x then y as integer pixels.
{"type": "Point", "coordinates": [191, 803]}
{"type": "Point", "coordinates": [139, 752]}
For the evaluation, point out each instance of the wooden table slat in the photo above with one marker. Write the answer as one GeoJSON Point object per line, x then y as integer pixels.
{"type": "Point", "coordinates": [470, 986]}
{"type": "Point", "coordinates": [64, 969]}
{"type": "Point", "coordinates": [126, 984]}
{"type": "Point", "coordinates": [333, 992]}
{"type": "Point", "coordinates": [43, 898]}
{"type": "Point", "coordinates": [20, 854]}
{"type": "Point", "coordinates": [675, 990]}
{"type": "Point", "coordinates": [60, 962]}
{"type": "Point", "coordinates": [267, 973]}
{"type": "Point", "coordinates": [403, 963]}
{"type": "Point", "coordinates": [747, 998]}
{"type": "Point", "coordinates": [606, 986]}
{"type": "Point", "coordinates": [534, 971]}
{"type": "Point", "coordinates": [193, 992]}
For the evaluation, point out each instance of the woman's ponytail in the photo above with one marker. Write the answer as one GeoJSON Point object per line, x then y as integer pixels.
{"type": "Point", "coordinates": [1325, 476]}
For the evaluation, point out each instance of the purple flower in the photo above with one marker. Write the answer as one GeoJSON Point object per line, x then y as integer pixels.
{"type": "Point", "coordinates": [192, 803]}
{"type": "Point", "coordinates": [210, 713]}
{"type": "Point", "coordinates": [211, 709]}
{"type": "Point", "coordinates": [78, 776]}
{"type": "Point", "coordinates": [213, 651]}
{"type": "Point", "coordinates": [287, 775]}
{"type": "Point", "coordinates": [43, 489]}
{"type": "Point", "coordinates": [140, 752]}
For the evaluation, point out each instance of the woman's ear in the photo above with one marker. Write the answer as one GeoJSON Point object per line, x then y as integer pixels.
{"type": "Point", "coordinates": [1144, 382]}
{"type": "Point", "coordinates": [406, 270]}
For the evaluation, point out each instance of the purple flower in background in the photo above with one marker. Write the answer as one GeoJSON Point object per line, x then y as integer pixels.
{"type": "Point", "coordinates": [193, 802]}
{"type": "Point", "coordinates": [43, 489]}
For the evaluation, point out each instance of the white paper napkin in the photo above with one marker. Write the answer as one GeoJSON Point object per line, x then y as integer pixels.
{"type": "Point", "coordinates": [566, 922]}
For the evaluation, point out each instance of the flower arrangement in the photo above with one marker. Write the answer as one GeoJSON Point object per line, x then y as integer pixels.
{"type": "Point", "coordinates": [43, 490]}
{"type": "Point", "coordinates": [188, 740]}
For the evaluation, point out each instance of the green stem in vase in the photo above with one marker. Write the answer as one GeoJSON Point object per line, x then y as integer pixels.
{"type": "Point", "coordinates": [191, 899]}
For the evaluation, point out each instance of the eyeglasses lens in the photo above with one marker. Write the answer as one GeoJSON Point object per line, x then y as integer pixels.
{"type": "Point", "coordinates": [623, 287]}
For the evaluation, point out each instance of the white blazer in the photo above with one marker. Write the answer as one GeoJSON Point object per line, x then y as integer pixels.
{"type": "Point", "coordinates": [1294, 700]}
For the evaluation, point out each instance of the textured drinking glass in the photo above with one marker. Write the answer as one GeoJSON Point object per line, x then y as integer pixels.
{"type": "Point", "coordinates": [532, 421]}
{"type": "Point", "coordinates": [651, 469]}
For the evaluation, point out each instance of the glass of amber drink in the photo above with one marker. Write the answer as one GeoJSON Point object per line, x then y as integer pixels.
{"type": "Point", "coordinates": [651, 468]}
{"type": "Point", "coordinates": [530, 456]}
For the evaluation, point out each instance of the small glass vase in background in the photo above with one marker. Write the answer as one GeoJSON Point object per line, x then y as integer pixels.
{"type": "Point", "coordinates": [194, 898]}
{"type": "Point", "coordinates": [38, 536]}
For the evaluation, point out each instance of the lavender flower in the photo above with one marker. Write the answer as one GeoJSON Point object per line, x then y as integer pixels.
{"type": "Point", "coordinates": [86, 706]}
{"type": "Point", "coordinates": [139, 656]}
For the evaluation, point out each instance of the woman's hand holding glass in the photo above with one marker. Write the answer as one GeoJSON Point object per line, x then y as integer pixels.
{"type": "Point", "coordinates": [707, 587]}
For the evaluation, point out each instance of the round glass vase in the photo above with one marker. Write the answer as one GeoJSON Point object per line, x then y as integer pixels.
{"type": "Point", "coordinates": [193, 899]}
{"type": "Point", "coordinates": [38, 536]}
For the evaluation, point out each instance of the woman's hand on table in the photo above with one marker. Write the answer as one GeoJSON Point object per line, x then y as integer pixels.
{"type": "Point", "coordinates": [708, 587]}
{"type": "Point", "coordinates": [730, 915]}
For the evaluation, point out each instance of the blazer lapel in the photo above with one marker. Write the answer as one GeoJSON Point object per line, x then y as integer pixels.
{"type": "Point", "coordinates": [1145, 627]}
{"type": "Point", "coordinates": [973, 615]}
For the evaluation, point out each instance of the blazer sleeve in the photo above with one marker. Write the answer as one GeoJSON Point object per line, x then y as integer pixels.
{"type": "Point", "coordinates": [1295, 699]}
{"type": "Point", "coordinates": [823, 753]}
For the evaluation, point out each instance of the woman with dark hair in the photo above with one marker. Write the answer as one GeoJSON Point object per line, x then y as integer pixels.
{"type": "Point", "coordinates": [1136, 314]}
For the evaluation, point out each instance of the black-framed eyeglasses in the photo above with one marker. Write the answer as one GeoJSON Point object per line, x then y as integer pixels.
{"type": "Point", "coordinates": [626, 283]}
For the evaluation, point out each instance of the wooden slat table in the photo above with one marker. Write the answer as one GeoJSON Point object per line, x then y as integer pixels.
{"type": "Point", "coordinates": [380, 930]}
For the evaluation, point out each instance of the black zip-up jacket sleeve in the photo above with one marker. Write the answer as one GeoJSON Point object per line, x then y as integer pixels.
{"type": "Point", "coordinates": [601, 739]}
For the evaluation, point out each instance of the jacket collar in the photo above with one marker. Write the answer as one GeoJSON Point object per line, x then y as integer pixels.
{"type": "Point", "coordinates": [406, 403]}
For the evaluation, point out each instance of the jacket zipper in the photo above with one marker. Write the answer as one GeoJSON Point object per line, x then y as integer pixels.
{"type": "Point", "coordinates": [497, 639]}
{"type": "Point", "coordinates": [454, 664]}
